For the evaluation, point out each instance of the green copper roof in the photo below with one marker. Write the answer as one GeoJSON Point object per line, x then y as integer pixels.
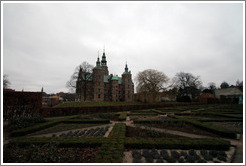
{"type": "Point", "coordinates": [115, 78]}
{"type": "Point", "coordinates": [120, 80]}
{"type": "Point", "coordinates": [106, 78]}
{"type": "Point", "coordinates": [97, 67]}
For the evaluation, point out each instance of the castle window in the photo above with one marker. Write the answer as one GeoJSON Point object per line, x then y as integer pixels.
{"type": "Point", "coordinates": [99, 96]}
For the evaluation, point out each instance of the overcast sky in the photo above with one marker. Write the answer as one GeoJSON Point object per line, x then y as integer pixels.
{"type": "Point", "coordinates": [44, 42]}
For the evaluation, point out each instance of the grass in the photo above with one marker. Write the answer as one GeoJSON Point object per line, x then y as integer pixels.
{"type": "Point", "coordinates": [92, 103]}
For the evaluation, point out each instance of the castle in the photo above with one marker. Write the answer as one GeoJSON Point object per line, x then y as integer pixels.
{"type": "Point", "coordinates": [100, 86]}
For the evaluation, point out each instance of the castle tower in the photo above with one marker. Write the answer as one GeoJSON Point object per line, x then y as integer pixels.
{"type": "Point", "coordinates": [104, 63]}
{"type": "Point", "coordinates": [128, 89]}
{"type": "Point", "coordinates": [115, 88]}
{"type": "Point", "coordinates": [98, 84]}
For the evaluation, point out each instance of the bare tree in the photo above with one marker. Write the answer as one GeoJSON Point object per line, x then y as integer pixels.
{"type": "Point", "coordinates": [211, 86]}
{"type": "Point", "coordinates": [188, 84]}
{"type": "Point", "coordinates": [6, 82]}
{"type": "Point", "coordinates": [79, 80]}
{"type": "Point", "coordinates": [151, 82]}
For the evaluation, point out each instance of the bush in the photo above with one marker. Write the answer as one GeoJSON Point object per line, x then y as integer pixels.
{"type": "Point", "coordinates": [196, 143]}
{"type": "Point", "coordinates": [136, 154]}
{"type": "Point", "coordinates": [175, 154]}
{"type": "Point", "coordinates": [213, 153]}
{"type": "Point", "coordinates": [122, 116]}
{"type": "Point", "coordinates": [23, 122]}
{"type": "Point", "coordinates": [222, 158]}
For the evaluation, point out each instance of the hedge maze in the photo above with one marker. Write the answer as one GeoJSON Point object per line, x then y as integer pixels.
{"type": "Point", "coordinates": [117, 147]}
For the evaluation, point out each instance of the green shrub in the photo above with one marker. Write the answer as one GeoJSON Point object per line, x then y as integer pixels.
{"type": "Point", "coordinates": [123, 116]}
{"type": "Point", "coordinates": [23, 122]}
{"type": "Point", "coordinates": [214, 129]}
{"type": "Point", "coordinates": [201, 143]}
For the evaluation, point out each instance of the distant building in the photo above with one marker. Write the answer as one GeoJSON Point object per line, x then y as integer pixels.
{"type": "Point", "coordinates": [100, 86]}
{"type": "Point", "coordinates": [232, 94]}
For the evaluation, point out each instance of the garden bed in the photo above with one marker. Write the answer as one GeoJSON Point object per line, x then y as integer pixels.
{"type": "Point", "coordinates": [62, 127]}
{"type": "Point", "coordinates": [183, 127]}
{"type": "Point", "coordinates": [177, 156]}
{"type": "Point", "coordinates": [138, 132]}
{"type": "Point", "coordinates": [49, 153]}
{"type": "Point", "coordinates": [235, 126]}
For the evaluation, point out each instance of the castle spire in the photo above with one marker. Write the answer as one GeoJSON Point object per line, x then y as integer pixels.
{"type": "Point", "coordinates": [98, 60]}
{"type": "Point", "coordinates": [126, 68]}
{"type": "Point", "coordinates": [104, 62]}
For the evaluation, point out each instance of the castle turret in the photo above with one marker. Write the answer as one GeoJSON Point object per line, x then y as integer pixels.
{"type": "Point", "coordinates": [104, 63]}
{"type": "Point", "coordinates": [128, 89]}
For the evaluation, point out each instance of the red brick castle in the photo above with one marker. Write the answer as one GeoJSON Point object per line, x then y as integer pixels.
{"type": "Point", "coordinates": [100, 86]}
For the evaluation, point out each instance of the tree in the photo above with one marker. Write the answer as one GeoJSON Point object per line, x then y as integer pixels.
{"type": "Point", "coordinates": [6, 82]}
{"type": "Point", "coordinates": [239, 85]}
{"type": "Point", "coordinates": [187, 84]}
{"type": "Point", "coordinates": [151, 82]}
{"type": "Point", "coordinates": [224, 85]}
{"type": "Point", "coordinates": [79, 80]}
{"type": "Point", "coordinates": [212, 86]}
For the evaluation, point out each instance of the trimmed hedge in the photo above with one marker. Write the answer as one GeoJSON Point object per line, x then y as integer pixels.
{"type": "Point", "coordinates": [118, 131]}
{"type": "Point", "coordinates": [28, 130]}
{"type": "Point", "coordinates": [61, 142]}
{"type": "Point", "coordinates": [159, 112]}
{"type": "Point", "coordinates": [87, 121]}
{"type": "Point", "coordinates": [158, 121]}
{"type": "Point", "coordinates": [209, 113]}
{"type": "Point", "coordinates": [219, 120]}
{"type": "Point", "coordinates": [142, 114]}
{"type": "Point", "coordinates": [21, 103]}
{"type": "Point", "coordinates": [208, 127]}
{"type": "Point", "coordinates": [123, 116]}
{"type": "Point", "coordinates": [65, 111]}
{"type": "Point", "coordinates": [203, 143]}
{"type": "Point", "coordinates": [213, 129]}
{"type": "Point", "coordinates": [113, 150]}
{"type": "Point", "coordinates": [48, 124]}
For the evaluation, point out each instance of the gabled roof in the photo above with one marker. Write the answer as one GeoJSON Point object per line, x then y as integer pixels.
{"type": "Point", "coordinates": [115, 78]}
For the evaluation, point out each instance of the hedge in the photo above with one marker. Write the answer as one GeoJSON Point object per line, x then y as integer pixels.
{"type": "Point", "coordinates": [142, 114]}
{"type": "Point", "coordinates": [65, 111]}
{"type": "Point", "coordinates": [213, 129]}
{"type": "Point", "coordinates": [113, 150]}
{"type": "Point", "coordinates": [38, 127]}
{"type": "Point", "coordinates": [159, 143]}
{"type": "Point", "coordinates": [123, 116]}
{"type": "Point", "coordinates": [209, 113]}
{"type": "Point", "coordinates": [21, 103]}
{"type": "Point", "coordinates": [87, 121]}
{"type": "Point", "coordinates": [61, 142]}
{"type": "Point", "coordinates": [118, 131]}
{"type": "Point", "coordinates": [219, 120]}
{"type": "Point", "coordinates": [28, 130]}
{"type": "Point", "coordinates": [208, 127]}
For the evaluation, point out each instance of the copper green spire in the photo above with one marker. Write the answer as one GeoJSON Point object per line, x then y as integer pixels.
{"type": "Point", "coordinates": [98, 60]}
{"type": "Point", "coordinates": [104, 62]}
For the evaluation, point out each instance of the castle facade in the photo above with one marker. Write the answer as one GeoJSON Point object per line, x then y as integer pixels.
{"type": "Point", "coordinates": [100, 86]}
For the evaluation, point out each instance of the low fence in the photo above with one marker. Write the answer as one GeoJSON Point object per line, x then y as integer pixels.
{"type": "Point", "coordinates": [66, 111]}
